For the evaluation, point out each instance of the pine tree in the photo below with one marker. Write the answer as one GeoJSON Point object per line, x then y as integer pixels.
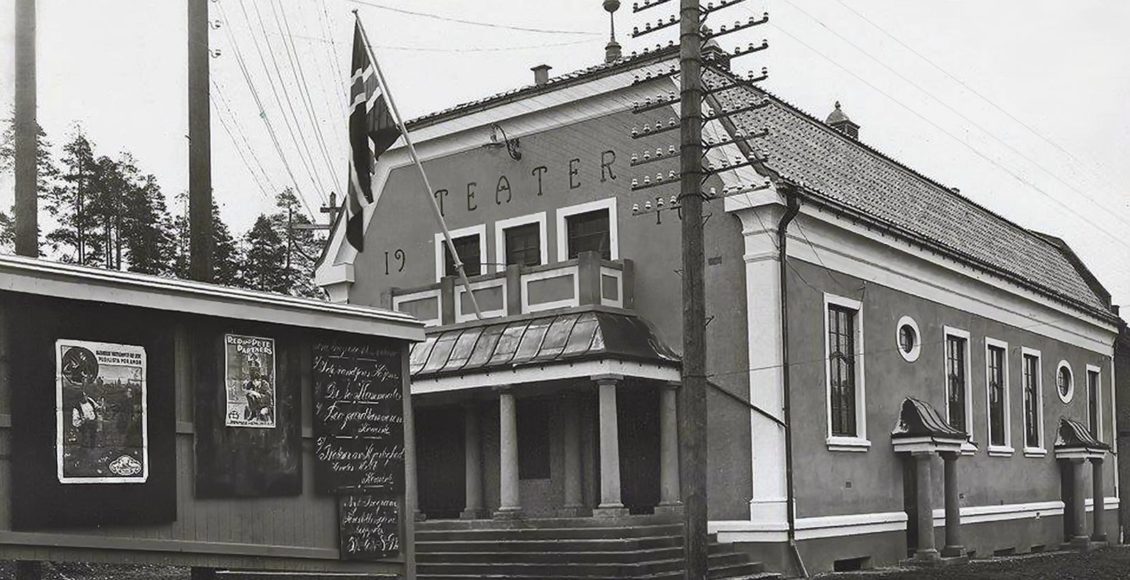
{"type": "Point", "coordinates": [46, 175]}
{"type": "Point", "coordinates": [68, 203]}
{"type": "Point", "coordinates": [226, 255]}
{"type": "Point", "coordinates": [148, 234]}
{"type": "Point", "coordinates": [264, 266]}
{"type": "Point", "coordinates": [302, 245]}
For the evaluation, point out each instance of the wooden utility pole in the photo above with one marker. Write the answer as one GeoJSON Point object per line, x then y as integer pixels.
{"type": "Point", "coordinates": [200, 145]}
{"type": "Point", "coordinates": [26, 132]}
{"type": "Point", "coordinates": [692, 407]}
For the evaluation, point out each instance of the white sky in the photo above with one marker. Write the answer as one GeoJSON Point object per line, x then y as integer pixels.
{"type": "Point", "coordinates": [118, 67]}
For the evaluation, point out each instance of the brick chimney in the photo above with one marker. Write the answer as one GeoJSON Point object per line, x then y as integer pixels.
{"type": "Point", "coordinates": [541, 74]}
{"type": "Point", "coordinates": [840, 122]}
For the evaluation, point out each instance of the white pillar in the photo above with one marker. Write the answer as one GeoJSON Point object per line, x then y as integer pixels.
{"type": "Point", "coordinates": [510, 505]}
{"type": "Point", "coordinates": [473, 474]}
{"type": "Point", "coordinates": [669, 491]}
{"type": "Point", "coordinates": [574, 468]}
{"type": "Point", "coordinates": [760, 214]}
{"type": "Point", "coordinates": [610, 505]}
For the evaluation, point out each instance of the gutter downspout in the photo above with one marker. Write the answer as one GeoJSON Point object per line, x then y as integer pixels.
{"type": "Point", "coordinates": [792, 199]}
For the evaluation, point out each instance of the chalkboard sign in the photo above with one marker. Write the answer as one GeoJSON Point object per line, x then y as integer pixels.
{"type": "Point", "coordinates": [369, 527]}
{"type": "Point", "coordinates": [358, 417]}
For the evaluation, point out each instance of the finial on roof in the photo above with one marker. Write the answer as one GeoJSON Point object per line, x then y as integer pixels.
{"type": "Point", "coordinates": [840, 121]}
{"type": "Point", "coordinates": [612, 50]}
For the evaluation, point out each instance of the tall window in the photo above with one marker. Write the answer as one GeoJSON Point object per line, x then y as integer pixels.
{"type": "Point", "coordinates": [469, 251]}
{"type": "Point", "coordinates": [523, 245]}
{"type": "Point", "coordinates": [956, 380]}
{"type": "Point", "coordinates": [1093, 401]}
{"type": "Point", "coordinates": [841, 369]}
{"type": "Point", "coordinates": [997, 402]}
{"type": "Point", "coordinates": [1031, 400]}
{"type": "Point", "coordinates": [588, 232]}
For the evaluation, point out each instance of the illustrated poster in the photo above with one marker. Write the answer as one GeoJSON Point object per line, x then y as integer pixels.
{"type": "Point", "coordinates": [101, 429]}
{"type": "Point", "coordinates": [249, 381]}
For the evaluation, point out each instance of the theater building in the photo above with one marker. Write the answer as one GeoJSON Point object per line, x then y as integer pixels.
{"type": "Point", "coordinates": [921, 365]}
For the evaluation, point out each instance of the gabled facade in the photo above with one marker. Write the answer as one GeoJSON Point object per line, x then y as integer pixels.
{"type": "Point", "coordinates": [839, 284]}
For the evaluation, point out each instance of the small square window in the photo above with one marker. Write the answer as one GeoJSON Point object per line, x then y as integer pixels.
{"type": "Point", "coordinates": [589, 232]}
{"type": "Point", "coordinates": [469, 251]}
{"type": "Point", "coordinates": [523, 245]}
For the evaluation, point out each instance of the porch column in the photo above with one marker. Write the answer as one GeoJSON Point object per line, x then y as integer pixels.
{"type": "Point", "coordinates": [669, 492]}
{"type": "Point", "coordinates": [510, 505]}
{"type": "Point", "coordinates": [610, 505]}
{"type": "Point", "coordinates": [1098, 534]}
{"type": "Point", "coordinates": [574, 500]}
{"type": "Point", "coordinates": [953, 546]}
{"type": "Point", "coordinates": [473, 472]}
{"type": "Point", "coordinates": [925, 550]}
{"type": "Point", "coordinates": [1078, 504]}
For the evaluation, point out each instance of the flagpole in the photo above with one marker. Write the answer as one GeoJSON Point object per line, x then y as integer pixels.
{"type": "Point", "coordinates": [419, 165]}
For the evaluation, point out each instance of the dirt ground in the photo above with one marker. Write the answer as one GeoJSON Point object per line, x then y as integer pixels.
{"type": "Point", "coordinates": [1108, 564]}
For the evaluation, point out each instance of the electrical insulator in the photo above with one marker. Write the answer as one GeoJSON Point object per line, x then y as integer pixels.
{"type": "Point", "coordinates": [635, 207]}
{"type": "Point", "coordinates": [647, 206]}
{"type": "Point", "coordinates": [659, 203]}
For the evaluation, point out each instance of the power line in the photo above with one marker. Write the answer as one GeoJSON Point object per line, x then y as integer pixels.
{"type": "Point", "coordinates": [304, 89]}
{"type": "Point", "coordinates": [954, 110]}
{"type": "Point", "coordinates": [236, 143]}
{"type": "Point", "coordinates": [462, 49]}
{"type": "Point", "coordinates": [371, 4]}
{"type": "Point", "coordinates": [243, 134]}
{"type": "Point", "coordinates": [312, 173]}
{"type": "Point", "coordinates": [239, 149]}
{"type": "Point", "coordinates": [975, 92]}
{"type": "Point", "coordinates": [262, 112]}
{"type": "Point", "coordinates": [980, 154]}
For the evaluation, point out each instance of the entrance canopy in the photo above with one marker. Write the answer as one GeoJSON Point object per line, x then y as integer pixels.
{"type": "Point", "coordinates": [553, 346]}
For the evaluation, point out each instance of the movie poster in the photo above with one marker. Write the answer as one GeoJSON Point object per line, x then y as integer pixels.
{"type": "Point", "coordinates": [101, 430]}
{"type": "Point", "coordinates": [249, 380]}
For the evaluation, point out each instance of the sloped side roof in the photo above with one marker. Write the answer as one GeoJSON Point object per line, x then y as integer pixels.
{"type": "Point", "coordinates": [553, 338]}
{"type": "Point", "coordinates": [843, 170]}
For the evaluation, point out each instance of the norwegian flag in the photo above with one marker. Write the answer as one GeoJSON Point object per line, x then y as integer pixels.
{"type": "Point", "coordinates": [369, 120]}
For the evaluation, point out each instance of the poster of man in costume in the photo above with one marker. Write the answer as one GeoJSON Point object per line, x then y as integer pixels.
{"type": "Point", "coordinates": [101, 429]}
{"type": "Point", "coordinates": [249, 381]}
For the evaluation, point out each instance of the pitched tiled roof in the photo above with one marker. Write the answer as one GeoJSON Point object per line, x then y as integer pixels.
{"type": "Point", "coordinates": [844, 171]}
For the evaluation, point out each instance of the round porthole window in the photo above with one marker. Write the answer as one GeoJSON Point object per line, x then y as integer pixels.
{"type": "Point", "coordinates": [908, 338]}
{"type": "Point", "coordinates": [1064, 381]}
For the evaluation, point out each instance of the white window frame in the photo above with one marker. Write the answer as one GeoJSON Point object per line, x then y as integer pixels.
{"type": "Point", "coordinates": [916, 350]}
{"type": "Point", "coordinates": [1070, 385]}
{"type": "Point", "coordinates": [1007, 449]}
{"type": "Point", "coordinates": [1098, 398]}
{"type": "Point", "coordinates": [859, 443]}
{"type": "Point", "coordinates": [967, 447]}
{"type": "Point", "coordinates": [563, 228]}
{"type": "Point", "coordinates": [479, 230]}
{"type": "Point", "coordinates": [1038, 451]}
{"type": "Point", "coordinates": [500, 228]}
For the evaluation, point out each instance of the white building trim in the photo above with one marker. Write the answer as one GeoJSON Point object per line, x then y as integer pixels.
{"type": "Point", "coordinates": [839, 442]}
{"type": "Point", "coordinates": [460, 290]}
{"type": "Point", "coordinates": [947, 332]}
{"type": "Point", "coordinates": [570, 272]}
{"type": "Point", "coordinates": [1098, 372]}
{"type": "Point", "coordinates": [563, 231]}
{"type": "Point", "coordinates": [852, 249]}
{"type": "Point", "coordinates": [1039, 450]}
{"type": "Point", "coordinates": [540, 373]}
{"type": "Point", "coordinates": [916, 348]}
{"type": "Point", "coordinates": [1006, 449]}
{"type": "Point", "coordinates": [1070, 394]}
{"type": "Point", "coordinates": [500, 228]}
{"type": "Point", "coordinates": [479, 230]}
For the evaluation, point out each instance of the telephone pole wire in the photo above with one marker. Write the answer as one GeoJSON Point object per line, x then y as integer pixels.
{"type": "Point", "coordinates": [692, 406]}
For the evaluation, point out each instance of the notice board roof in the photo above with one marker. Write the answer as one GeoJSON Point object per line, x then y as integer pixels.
{"type": "Point", "coordinates": [45, 278]}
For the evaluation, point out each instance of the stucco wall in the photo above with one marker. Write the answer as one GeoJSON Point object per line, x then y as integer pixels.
{"type": "Point", "coordinates": [833, 483]}
{"type": "Point", "coordinates": [583, 162]}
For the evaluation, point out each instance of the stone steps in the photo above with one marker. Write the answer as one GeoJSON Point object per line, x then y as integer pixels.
{"type": "Point", "coordinates": [558, 549]}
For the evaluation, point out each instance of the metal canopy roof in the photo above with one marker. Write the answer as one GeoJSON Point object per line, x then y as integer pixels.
{"type": "Point", "coordinates": [552, 338]}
